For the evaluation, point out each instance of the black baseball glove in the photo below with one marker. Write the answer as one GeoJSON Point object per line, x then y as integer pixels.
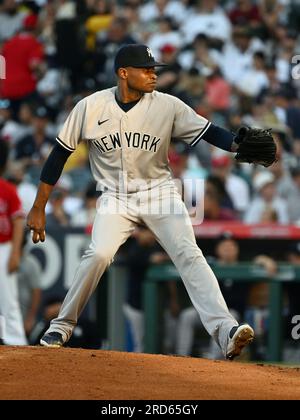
{"type": "Point", "coordinates": [255, 145]}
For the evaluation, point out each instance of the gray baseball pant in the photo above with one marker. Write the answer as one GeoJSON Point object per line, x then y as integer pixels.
{"type": "Point", "coordinates": [117, 216]}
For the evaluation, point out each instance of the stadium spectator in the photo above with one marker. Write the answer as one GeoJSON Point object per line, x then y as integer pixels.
{"type": "Point", "coordinates": [14, 129]}
{"type": "Point", "coordinates": [71, 202]}
{"type": "Point", "coordinates": [25, 121]}
{"type": "Point", "coordinates": [293, 197]}
{"type": "Point", "coordinates": [293, 159]}
{"type": "Point", "coordinates": [236, 187]}
{"type": "Point", "coordinates": [84, 217]}
{"type": "Point", "coordinates": [23, 55]}
{"type": "Point", "coordinates": [254, 81]}
{"type": "Point", "coordinates": [165, 35]}
{"type": "Point", "coordinates": [7, 123]}
{"type": "Point", "coordinates": [101, 15]}
{"type": "Point", "coordinates": [271, 11]}
{"type": "Point", "coordinates": [26, 190]}
{"type": "Point", "coordinates": [49, 87]}
{"type": "Point", "coordinates": [46, 26]}
{"type": "Point", "coordinates": [130, 11]}
{"type": "Point", "coordinates": [69, 41]}
{"type": "Point", "coordinates": [274, 83]}
{"type": "Point", "coordinates": [286, 111]}
{"type": "Point", "coordinates": [213, 210]}
{"type": "Point", "coordinates": [153, 10]}
{"type": "Point", "coordinates": [11, 19]}
{"type": "Point", "coordinates": [34, 148]}
{"type": "Point", "coordinates": [240, 52]}
{"type": "Point", "coordinates": [209, 19]}
{"type": "Point", "coordinates": [286, 50]}
{"type": "Point", "coordinates": [217, 92]}
{"type": "Point", "coordinates": [200, 56]}
{"type": "Point", "coordinates": [57, 217]}
{"type": "Point", "coordinates": [107, 45]}
{"type": "Point", "coordinates": [245, 13]}
{"type": "Point", "coordinates": [281, 169]}
{"type": "Point", "coordinates": [267, 204]}
{"type": "Point", "coordinates": [168, 77]}
{"type": "Point", "coordinates": [216, 185]}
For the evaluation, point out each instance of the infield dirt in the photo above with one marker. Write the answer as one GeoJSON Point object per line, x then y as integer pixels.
{"type": "Point", "coordinates": [36, 373]}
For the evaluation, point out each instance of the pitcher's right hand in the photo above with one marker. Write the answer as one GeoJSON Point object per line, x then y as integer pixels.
{"type": "Point", "coordinates": [36, 222]}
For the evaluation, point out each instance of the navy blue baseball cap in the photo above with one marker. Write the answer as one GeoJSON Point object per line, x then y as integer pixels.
{"type": "Point", "coordinates": [135, 55]}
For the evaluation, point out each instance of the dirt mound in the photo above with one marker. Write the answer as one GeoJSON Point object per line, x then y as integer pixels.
{"type": "Point", "coordinates": [40, 373]}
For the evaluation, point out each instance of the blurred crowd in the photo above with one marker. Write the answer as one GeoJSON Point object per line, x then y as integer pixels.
{"type": "Point", "coordinates": [234, 62]}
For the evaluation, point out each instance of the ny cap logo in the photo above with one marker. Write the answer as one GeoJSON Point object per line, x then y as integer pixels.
{"type": "Point", "coordinates": [149, 52]}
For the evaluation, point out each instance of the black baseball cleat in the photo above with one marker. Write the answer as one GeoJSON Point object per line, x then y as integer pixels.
{"type": "Point", "coordinates": [52, 339]}
{"type": "Point", "coordinates": [239, 337]}
{"type": "Point", "coordinates": [1, 342]}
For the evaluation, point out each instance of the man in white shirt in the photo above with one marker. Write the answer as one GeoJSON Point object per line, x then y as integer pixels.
{"type": "Point", "coordinates": [153, 10]}
{"type": "Point", "coordinates": [267, 206]}
{"type": "Point", "coordinates": [208, 19]}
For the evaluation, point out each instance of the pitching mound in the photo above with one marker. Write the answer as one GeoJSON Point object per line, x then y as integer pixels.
{"type": "Point", "coordinates": [40, 373]}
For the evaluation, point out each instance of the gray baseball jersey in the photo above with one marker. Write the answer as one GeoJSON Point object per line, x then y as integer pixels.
{"type": "Point", "coordinates": [133, 145]}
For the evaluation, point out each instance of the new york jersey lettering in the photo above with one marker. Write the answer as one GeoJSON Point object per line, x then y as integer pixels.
{"type": "Point", "coordinates": [135, 140]}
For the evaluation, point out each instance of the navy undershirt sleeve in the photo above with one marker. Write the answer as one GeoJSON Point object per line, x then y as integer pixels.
{"type": "Point", "coordinates": [219, 137]}
{"type": "Point", "coordinates": [54, 165]}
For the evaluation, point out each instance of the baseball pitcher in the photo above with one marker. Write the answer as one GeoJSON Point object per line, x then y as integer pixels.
{"type": "Point", "coordinates": [128, 129]}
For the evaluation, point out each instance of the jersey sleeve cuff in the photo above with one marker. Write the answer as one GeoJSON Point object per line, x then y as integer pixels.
{"type": "Point", "coordinates": [201, 134]}
{"type": "Point", "coordinates": [64, 145]}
